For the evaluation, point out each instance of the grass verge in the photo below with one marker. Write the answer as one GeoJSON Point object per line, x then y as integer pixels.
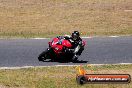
{"type": "Point", "coordinates": [59, 77]}
{"type": "Point", "coordinates": [48, 18]}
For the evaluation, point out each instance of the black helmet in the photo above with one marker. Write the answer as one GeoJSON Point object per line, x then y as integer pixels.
{"type": "Point", "coordinates": [75, 35]}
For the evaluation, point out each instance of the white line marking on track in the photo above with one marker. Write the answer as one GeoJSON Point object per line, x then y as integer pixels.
{"type": "Point", "coordinates": [86, 37]}
{"type": "Point", "coordinates": [114, 36]}
{"type": "Point", "coordinates": [126, 63]}
{"type": "Point", "coordinates": [81, 37]}
{"type": "Point", "coordinates": [49, 38]}
{"type": "Point", "coordinates": [62, 66]}
{"type": "Point", "coordinates": [39, 38]}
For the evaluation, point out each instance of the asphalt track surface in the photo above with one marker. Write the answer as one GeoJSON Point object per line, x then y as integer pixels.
{"type": "Point", "coordinates": [98, 50]}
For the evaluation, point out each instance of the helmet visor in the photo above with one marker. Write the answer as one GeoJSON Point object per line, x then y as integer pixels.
{"type": "Point", "coordinates": [75, 37]}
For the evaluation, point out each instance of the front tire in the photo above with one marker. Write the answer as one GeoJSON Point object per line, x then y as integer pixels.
{"type": "Point", "coordinates": [43, 56]}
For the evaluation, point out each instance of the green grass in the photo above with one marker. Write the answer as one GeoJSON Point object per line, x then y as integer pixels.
{"type": "Point", "coordinates": [48, 18]}
{"type": "Point", "coordinates": [59, 77]}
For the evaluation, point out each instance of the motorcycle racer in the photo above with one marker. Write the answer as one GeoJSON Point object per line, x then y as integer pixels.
{"type": "Point", "coordinates": [64, 48]}
{"type": "Point", "coordinates": [76, 42]}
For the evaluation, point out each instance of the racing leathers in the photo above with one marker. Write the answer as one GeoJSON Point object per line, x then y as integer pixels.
{"type": "Point", "coordinates": [77, 46]}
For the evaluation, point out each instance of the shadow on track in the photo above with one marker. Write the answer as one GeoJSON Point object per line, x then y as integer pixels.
{"type": "Point", "coordinates": [62, 61]}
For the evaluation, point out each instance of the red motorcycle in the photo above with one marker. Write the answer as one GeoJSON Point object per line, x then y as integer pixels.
{"type": "Point", "coordinates": [59, 49]}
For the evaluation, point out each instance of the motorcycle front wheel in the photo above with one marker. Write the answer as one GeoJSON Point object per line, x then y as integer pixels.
{"type": "Point", "coordinates": [43, 56]}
